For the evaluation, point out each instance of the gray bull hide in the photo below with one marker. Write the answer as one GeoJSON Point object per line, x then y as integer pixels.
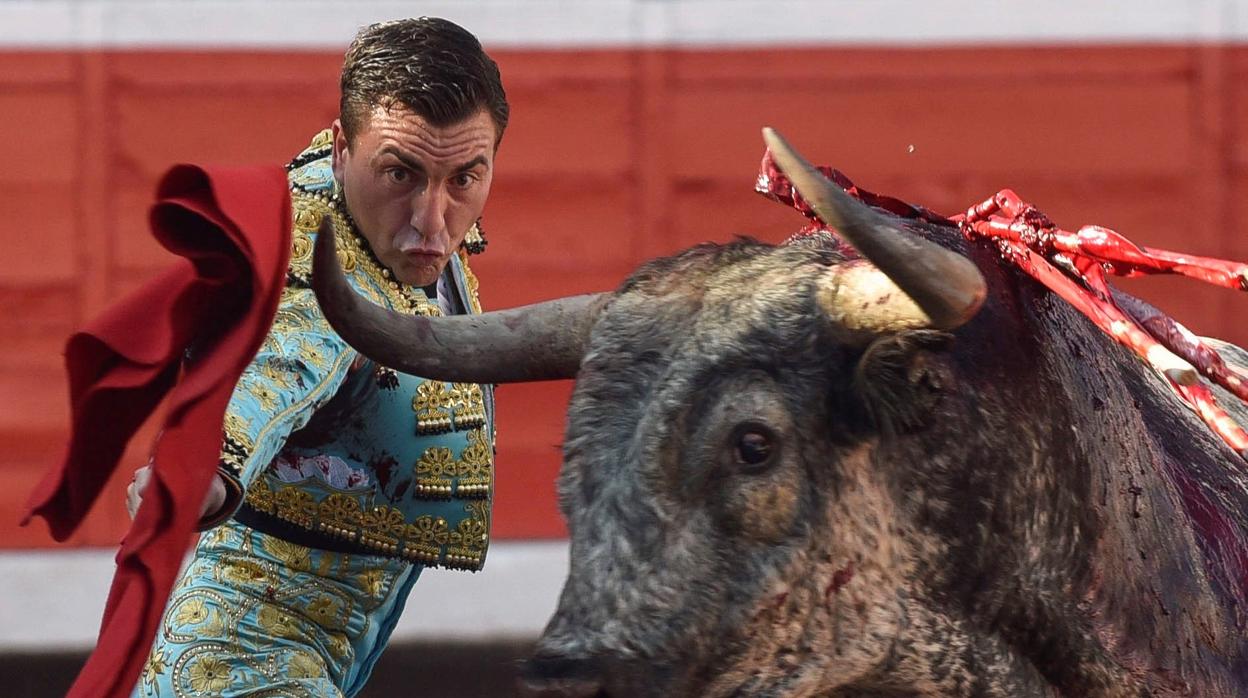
{"type": "Point", "coordinates": [762, 502]}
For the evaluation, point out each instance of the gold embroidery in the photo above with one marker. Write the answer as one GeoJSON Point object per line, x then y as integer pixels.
{"type": "Point", "coordinates": [341, 509]}
{"type": "Point", "coordinates": [208, 675]}
{"type": "Point", "coordinates": [278, 622]}
{"type": "Point", "coordinates": [304, 666]}
{"type": "Point", "coordinates": [381, 529]}
{"type": "Point", "coordinates": [306, 217]}
{"type": "Point", "coordinates": [372, 582]}
{"type": "Point", "coordinates": [469, 403]}
{"type": "Point", "coordinates": [270, 344]}
{"type": "Point", "coordinates": [439, 409]}
{"type": "Point", "coordinates": [339, 646]}
{"type": "Point", "coordinates": [297, 504]}
{"type": "Point", "coordinates": [474, 240]}
{"type": "Point", "coordinates": [236, 426]}
{"type": "Point", "coordinates": [193, 612]}
{"type": "Point", "coordinates": [440, 476]}
{"type": "Point", "coordinates": [432, 404]}
{"type": "Point", "coordinates": [157, 664]}
{"type": "Point", "coordinates": [312, 353]}
{"type": "Point", "coordinates": [279, 372]}
{"type": "Point", "coordinates": [214, 628]}
{"type": "Point", "coordinates": [293, 555]}
{"type": "Point", "coordinates": [426, 546]}
{"type": "Point", "coordinates": [295, 315]}
{"type": "Point", "coordinates": [217, 536]}
{"type": "Point", "coordinates": [244, 572]}
{"type": "Point", "coordinates": [300, 247]}
{"type": "Point", "coordinates": [236, 444]}
{"type": "Point", "coordinates": [474, 298]}
{"type": "Point", "coordinates": [471, 537]}
{"type": "Point", "coordinates": [434, 471]}
{"type": "Point", "coordinates": [475, 473]}
{"type": "Point", "coordinates": [265, 396]}
{"type": "Point", "coordinates": [326, 612]}
{"type": "Point", "coordinates": [323, 139]}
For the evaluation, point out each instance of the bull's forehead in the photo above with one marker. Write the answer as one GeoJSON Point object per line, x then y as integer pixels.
{"type": "Point", "coordinates": [667, 345]}
{"type": "Point", "coordinates": [769, 283]}
{"type": "Point", "coordinates": [718, 302]}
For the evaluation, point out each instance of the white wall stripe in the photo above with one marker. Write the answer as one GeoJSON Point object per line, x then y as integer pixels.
{"type": "Point", "coordinates": [580, 23]}
{"type": "Point", "coordinates": [54, 600]}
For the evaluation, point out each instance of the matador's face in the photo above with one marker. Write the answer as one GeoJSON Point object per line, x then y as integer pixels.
{"type": "Point", "coordinates": [413, 188]}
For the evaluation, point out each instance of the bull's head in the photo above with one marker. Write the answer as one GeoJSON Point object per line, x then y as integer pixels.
{"type": "Point", "coordinates": [730, 534]}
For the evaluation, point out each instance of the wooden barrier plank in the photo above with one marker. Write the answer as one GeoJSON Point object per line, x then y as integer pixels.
{"type": "Point", "coordinates": [1070, 127]}
{"type": "Point", "coordinates": [39, 233]}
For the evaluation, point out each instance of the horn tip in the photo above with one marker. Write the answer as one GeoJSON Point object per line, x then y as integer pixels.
{"type": "Point", "coordinates": [772, 138]}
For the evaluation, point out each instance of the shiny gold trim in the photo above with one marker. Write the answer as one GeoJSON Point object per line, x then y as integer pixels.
{"type": "Point", "coordinates": [432, 404]}
{"type": "Point", "coordinates": [470, 279]}
{"type": "Point", "coordinates": [435, 471]}
{"type": "Point", "coordinates": [323, 139]}
{"type": "Point", "coordinates": [475, 472]}
{"type": "Point", "coordinates": [468, 405]}
{"type": "Point", "coordinates": [236, 445]}
{"type": "Point", "coordinates": [381, 529]}
{"type": "Point", "coordinates": [440, 476]}
{"type": "Point", "coordinates": [440, 409]}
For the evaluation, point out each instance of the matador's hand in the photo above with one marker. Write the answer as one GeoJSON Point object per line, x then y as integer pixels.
{"type": "Point", "coordinates": [134, 493]}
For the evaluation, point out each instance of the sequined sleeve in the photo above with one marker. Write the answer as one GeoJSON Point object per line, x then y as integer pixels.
{"type": "Point", "coordinates": [301, 365]}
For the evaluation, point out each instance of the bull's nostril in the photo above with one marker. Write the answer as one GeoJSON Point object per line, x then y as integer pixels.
{"type": "Point", "coordinates": [562, 677]}
{"type": "Point", "coordinates": [560, 667]}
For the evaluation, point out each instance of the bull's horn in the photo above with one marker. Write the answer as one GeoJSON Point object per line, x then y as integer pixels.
{"type": "Point", "coordinates": [946, 286]}
{"type": "Point", "coordinates": [864, 302]}
{"type": "Point", "coordinates": [543, 341]}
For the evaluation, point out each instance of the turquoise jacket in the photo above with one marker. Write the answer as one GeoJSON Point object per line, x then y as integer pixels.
{"type": "Point", "coordinates": [329, 450]}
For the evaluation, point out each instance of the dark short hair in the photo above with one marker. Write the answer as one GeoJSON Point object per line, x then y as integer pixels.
{"type": "Point", "coordinates": [432, 66]}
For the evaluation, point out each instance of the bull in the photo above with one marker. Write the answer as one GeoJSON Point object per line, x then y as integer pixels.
{"type": "Point", "coordinates": [797, 470]}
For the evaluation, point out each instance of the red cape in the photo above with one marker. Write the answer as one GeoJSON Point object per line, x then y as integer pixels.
{"type": "Point", "coordinates": [232, 227]}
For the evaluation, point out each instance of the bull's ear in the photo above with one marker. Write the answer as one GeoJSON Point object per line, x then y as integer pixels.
{"type": "Point", "coordinates": [900, 379]}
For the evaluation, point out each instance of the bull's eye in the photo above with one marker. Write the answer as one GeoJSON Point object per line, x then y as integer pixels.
{"type": "Point", "coordinates": [754, 446]}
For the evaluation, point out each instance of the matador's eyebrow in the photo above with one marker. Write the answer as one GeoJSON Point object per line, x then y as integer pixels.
{"type": "Point", "coordinates": [478, 160]}
{"type": "Point", "coordinates": [407, 161]}
{"type": "Point", "coordinates": [416, 166]}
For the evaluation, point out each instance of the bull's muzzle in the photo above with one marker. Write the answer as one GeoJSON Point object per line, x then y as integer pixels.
{"type": "Point", "coordinates": [562, 677]}
{"type": "Point", "coordinates": [602, 676]}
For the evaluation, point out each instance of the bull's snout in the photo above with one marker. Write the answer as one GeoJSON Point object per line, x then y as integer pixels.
{"type": "Point", "coordinates": [597, 676]}
{"type": "Point", "coordinates": [551, 676]}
